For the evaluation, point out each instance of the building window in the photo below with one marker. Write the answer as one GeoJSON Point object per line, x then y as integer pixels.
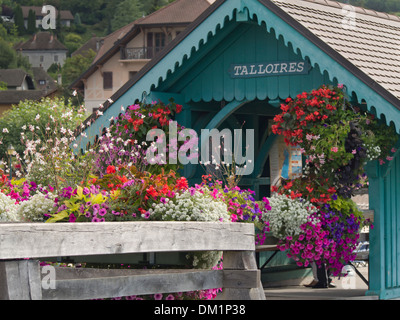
{"type": "Point", "coordinates": [41, 58]}
{"type": "Point", "coordinates": [107, 80]}
{"type": "Point", "coordinates": [56, 58]}
{"type": "Point", "coordinates": [155, 42]}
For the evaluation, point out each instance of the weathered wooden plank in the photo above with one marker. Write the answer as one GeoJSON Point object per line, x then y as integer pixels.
{"type": "Point", "coordinates": [82, 284]}
{"type": "Point", "coordinates": [244, 260]}
{"type": "Point", "coordinates": [39, 240]}
{"type": "Point", "coordinates": [241, 279]}
{"type": "Point", "coordinates": [20, 280]}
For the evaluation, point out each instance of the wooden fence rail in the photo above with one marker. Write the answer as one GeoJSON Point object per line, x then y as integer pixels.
{"type": "Point", "coordinates": [24, 279]}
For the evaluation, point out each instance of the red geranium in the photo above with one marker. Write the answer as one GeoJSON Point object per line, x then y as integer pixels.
{"type": "Point", "coordinates": [111, 170]}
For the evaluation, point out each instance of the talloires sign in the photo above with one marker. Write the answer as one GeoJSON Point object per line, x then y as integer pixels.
{"type": "Point", "coordinates": [269, 69]}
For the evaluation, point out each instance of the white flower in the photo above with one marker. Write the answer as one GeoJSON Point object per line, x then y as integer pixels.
{"type": "Point", "coordinates": [5, 130]}
{"type": "Point", "coordinates": [287, 215]}
{"type": "Point", "coordinates": [8, 209]}
{"type": "Point", "coordinates": [192, 206]}
{"type": "Point", "coordinates": [74, 93]}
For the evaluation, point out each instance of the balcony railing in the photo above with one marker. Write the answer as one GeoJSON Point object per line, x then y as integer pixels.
{"type": "Point", "coordinates": [139, 53]}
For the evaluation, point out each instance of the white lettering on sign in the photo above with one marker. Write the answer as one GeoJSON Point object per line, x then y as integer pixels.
{"type": "Point", "coordinates": [284, 68]}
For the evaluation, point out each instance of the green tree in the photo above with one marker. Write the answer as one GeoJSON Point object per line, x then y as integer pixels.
{"type": "Point", "coordinates": [126, 12]}
{"type": "Point", "coordinates": [3, 86]}
{"type": "Point", "coordinates": [21, 62]}
{"type": "Point", "coordinates": [19, 20]}
{"type": "Point", "coordinates": [7, 55]}
{"type": "Point", "coordinates": [31, 22]}
{"type": "Point", "coordinates": [153, 5]}
{"type": "Point", "coordinates": [3, 32]}
{"type": "Point", "coordinates": [74, 66]}
{"type": "Point", "coordinates": [73, 42]}
{"type": "Point", "coordinates": [77, 19]}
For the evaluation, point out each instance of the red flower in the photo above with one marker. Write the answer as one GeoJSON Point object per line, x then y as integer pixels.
{"type": "Point", "coordinates": [178, 108]}
{"type": "Point", "coordinates": [111, 169]}
{"type": "Point", "coordinates": [182, 183]}
{"type": "Point", "coordinates": [289, 185]}
{"type": "Point", "coordinates": [152, 192]}
{"type": "Point", "coordinates": [331, 190]}
{"type": "Point", "coordinates": [163, 121]}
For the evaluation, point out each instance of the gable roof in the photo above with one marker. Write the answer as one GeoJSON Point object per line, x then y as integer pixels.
{"type": "Point", "coordinates": [94, 43]}
{"type": "Point", "coordinates": [41, 41]}
{"type": "Point", "coordinates": [39, 75]}
{"type": "Point", "coordinates": [307, 37]}
{"type": "Point", "coordinates": [13, 77]}
{"type": "Point", "coordinates": [179, 12]}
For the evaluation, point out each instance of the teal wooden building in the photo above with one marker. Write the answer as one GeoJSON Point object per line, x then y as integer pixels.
{"type": "Point", "coordinates": [241, 58]}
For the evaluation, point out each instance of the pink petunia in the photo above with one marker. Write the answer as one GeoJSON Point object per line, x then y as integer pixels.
{"type": "Point", "coordinates": [334, 149]}
{"type": "Point", "coordinates": [158, 296]}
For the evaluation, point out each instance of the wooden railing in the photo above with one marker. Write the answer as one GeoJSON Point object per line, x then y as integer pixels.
{"type": "Point", "coordinates": [22, 279]}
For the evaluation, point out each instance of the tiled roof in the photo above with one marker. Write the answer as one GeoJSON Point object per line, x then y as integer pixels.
{"type": "Point", "coordinates": [42, 41]}
{"type": "Point", "coordinates": [179, 11]}
{"type": "Point", "coordinates": [93, 43]}
{"type": "Point", "coordinates": [111, 39]}
{"type": "Point", "coordinates": [39, 75]}
{"type": "Point", "coordinates": [15, 96]}
{"type": "Point", "coordinates": [372, 44]}
{"type": "Point", "coordinates": [13, 77]}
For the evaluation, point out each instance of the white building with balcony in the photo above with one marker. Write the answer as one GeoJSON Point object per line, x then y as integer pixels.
{"type": "Point", "coordinates": [126, 51]}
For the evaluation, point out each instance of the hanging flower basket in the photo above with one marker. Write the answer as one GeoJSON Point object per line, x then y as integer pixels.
{"type": "Point", "coordinates": [337, 139]}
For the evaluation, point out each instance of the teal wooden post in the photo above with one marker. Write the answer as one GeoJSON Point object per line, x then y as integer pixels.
{"type": "Point", "coordinates": [377, 234]}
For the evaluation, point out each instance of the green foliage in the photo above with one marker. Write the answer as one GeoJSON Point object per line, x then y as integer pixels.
{"type": "Point", "coordinates": [31, 22]}
{"type": "Point", "coordinates": [126, 12]}
{"type": "Point", "coordinates": [7, 54]}
{"type": "Point", "coordinates": [74, 66]}
{"type": "Point", "coordinates": [77, 19]}
{"type": "Point", "coordinates": [73, 42]}
{"type": "Point", "coordinates": [3, 85]}
{"type": "Point", "coordinates": [3, 32]}
{"type": "Point", "coordinates": [19, 20]}
{"type": "Point", "coordinates": [24, 114]}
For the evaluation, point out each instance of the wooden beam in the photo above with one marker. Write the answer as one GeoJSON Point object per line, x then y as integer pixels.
{"type": "Point", "coordinates": [244, 260]}
{"type": "Point", "coordinates": [32, 240]}
{"type": "Point", "coordinates": [85, 284]}
{"type": "Point", "coordinates": [20, 280]}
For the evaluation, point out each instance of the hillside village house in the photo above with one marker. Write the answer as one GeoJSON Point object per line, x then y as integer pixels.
{"type": "Point", "coordinates": [127, 50]}
{"type": "Point", "coordinates": [65, 16]}
{"type": "Point", "coordinates": [21, 86]}
{"type": "Point", "coordinates": [43, 49]}
{"type": "Point", "coordinates": [237, 62]}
